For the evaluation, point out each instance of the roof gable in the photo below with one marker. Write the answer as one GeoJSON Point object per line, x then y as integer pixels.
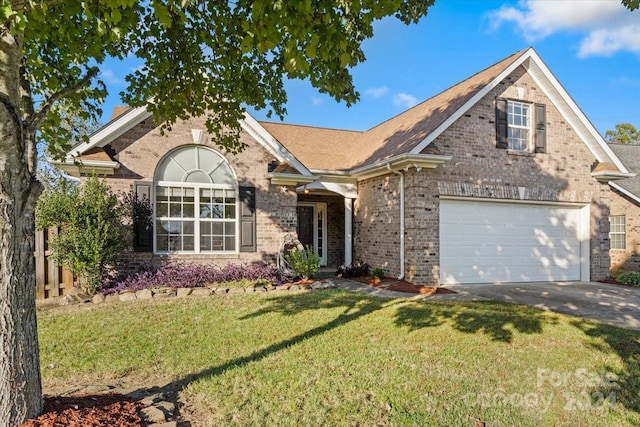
{"type": "Point", "coordinates": [127, 118]}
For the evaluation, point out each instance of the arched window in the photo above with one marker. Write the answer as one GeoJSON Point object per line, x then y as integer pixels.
{"type": "Point", "coordinates": [195, 202]}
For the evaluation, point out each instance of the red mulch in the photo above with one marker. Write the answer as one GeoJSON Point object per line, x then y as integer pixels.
{"type": "Point", "coordinates": [97, 410]}
{"type": "Point", "coordinates": [401, 286]}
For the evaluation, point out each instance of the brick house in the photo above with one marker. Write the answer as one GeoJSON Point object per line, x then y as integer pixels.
{"type": "Point", "coordinates": [625, 211]}
{"type": "Point", "coordinates": [498, 178]}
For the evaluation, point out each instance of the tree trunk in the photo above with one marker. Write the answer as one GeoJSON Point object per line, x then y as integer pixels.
{"type": "Point", "coordinates": [20, 382]}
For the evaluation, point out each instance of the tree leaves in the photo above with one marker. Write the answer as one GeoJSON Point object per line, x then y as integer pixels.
{"type": "Point", "coordinates": [201, 58]}
{"type": "Point", "coordinates": [625, 133]}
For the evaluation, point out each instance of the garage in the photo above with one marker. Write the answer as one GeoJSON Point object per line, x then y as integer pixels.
{"type": "Point", "coordinates": [489, 241]}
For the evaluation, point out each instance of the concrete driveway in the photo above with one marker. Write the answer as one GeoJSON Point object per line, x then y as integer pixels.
{"type": "Point", "coordinates": [611, 304]}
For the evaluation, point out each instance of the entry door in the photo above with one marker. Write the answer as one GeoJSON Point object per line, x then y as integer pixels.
{"type": "Point", "coordinates": [311, 229]}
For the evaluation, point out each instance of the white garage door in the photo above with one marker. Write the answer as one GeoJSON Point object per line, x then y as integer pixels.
{"type": "Point", "coordinates": [485, 242]}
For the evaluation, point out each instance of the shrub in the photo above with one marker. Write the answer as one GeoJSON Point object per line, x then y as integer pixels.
{"type": "Point", "coordinates": [179, 275]}
{"type": "Point", "coordinates": [629, 278]}
{"type": "Point", "coordinates": [353, 270]}
{"type": "Point", "coordinates": [377, 273]}
{"type": "Point", "coordinates": [91, 233]}
{"type": "Point", "coordinates": [304, 262]}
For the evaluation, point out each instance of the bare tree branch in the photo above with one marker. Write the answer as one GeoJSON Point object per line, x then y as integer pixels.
{"type": "Point", "coordinates": [38, 116]}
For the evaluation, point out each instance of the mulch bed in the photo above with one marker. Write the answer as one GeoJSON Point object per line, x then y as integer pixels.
{"type": "Point", "coordinates": [401, 286]}
{"type": "Point", "coordinates": [96, 410]}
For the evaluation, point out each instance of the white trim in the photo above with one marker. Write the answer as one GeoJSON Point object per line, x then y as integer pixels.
{"type": "Point", "coordinates": [111, 131]}
{"type": "Point", "coordinates": [402, 221]}
{"type": "Point", "coordinates": [583, 127]}
{"type": "Point", "coordinates": [624, 191]}
{"type": "Point", "coordinates": [402, 161]}
{"type": "Point", "coordinates": [260, 134]}
{"type": "Point", "coordinates": [348, 230]}
{"type": "Point", "coordinates": [349, 190]}
{"type": "Point", "coordinates": [467, 105]}
{"type": "Point", "coordinates": [574, 116]}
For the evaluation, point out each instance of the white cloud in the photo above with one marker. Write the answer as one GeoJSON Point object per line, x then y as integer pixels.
{"type": "Point", "coordinates": [607, 41]}
{"type": "Point", "coordinates": [110, 77]}
{"type": "Point", "coordinates": [405, 100]}
{"type": "Point", "coordinates": [316, 101]}
{"type": "Point", "coordinates": [377, 92]}
{"type": "Point", "coordinates": [608, 25]}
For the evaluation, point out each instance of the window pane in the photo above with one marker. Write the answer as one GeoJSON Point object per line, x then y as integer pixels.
{"type": "Point", "coordinates": [162, 209]}
{"type": "Point", "coordinates": [229, 228]}
{"type": "Point", "coordinates": [229, 243]}
{"type": "Point", "coordinates": [216, 228]}
{"type": "Point", "coordinates": [230, 211]}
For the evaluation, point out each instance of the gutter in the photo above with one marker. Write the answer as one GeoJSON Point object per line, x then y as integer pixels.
{"type": "Point", "coordinates": [402, 226]}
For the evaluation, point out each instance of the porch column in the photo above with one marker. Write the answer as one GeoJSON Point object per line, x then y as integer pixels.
{"type": "Point", "coordinates": [348, 230]}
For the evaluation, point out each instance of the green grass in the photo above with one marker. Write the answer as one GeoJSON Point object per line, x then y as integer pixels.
{"type": "Point", "coordinates": [335, 358]}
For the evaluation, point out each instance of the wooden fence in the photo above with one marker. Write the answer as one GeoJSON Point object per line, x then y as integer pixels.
{"type": "Point", "coordinates": [51, 279]}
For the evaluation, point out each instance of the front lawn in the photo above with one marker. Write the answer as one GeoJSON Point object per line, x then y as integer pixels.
{"type": "Point", "coordinates": [337, 358]}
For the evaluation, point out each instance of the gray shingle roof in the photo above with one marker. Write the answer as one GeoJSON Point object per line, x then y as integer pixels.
{"type": "Point", "coordinates": [629, 154]}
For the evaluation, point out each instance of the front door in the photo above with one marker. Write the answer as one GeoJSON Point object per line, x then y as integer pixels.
{"type": "Point", "coordinates": [311, 229]}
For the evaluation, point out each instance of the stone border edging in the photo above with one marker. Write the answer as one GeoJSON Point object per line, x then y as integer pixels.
{"type": "Point", "coordinates": [205, 291]}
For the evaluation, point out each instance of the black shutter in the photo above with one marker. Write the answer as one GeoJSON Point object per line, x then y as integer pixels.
{"type": "Point", "coordinates": [541, 132]}
{"type": "Point", "coordinates": [143, 218]}
{"type": "Point", "coordinates": [501, 123]}
{"type": "Point", "coordinates": [247, 219]}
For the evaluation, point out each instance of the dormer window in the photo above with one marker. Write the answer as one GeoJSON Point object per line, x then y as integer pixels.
{"type": "Point", "coordinates": [520, 126]}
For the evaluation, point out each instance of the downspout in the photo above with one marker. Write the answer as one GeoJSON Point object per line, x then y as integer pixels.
{"type": "Point", "coordinates": [401, 175]}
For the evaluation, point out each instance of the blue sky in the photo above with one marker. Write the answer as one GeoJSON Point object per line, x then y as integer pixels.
{"type": "Point", "coordinates": [592, 47]}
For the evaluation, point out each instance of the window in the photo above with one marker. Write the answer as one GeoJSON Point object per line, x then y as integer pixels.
{"type": "Point", "coordinates": [521, 126]}
{"type": "Point", "coordinates": [195, 203]}
{"type": "Point", "coordinates": [518, 125]}
{"type": "Point", "coordinates": [617, 233]}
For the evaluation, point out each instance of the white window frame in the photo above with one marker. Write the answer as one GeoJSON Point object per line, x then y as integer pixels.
{"type": "Point", "coordinates": [618, 229]}
{"type": "Point", "coordinates": [511, 104]}
{"type": "Point", "coordinates": [196, 219]}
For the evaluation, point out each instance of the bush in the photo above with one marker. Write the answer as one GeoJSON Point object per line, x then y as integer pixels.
{"type": "Point", "coordinates": [91, 233]}
{"type": "Point", "coordinates": [178, 275]}
{"type": "Point", "coordinates": [377, 273]}
{"type": "Point", "coordinates": [353, 270]}
{"type": "Point", "coordinates": [304, 263]}
{"type": "Point", "coordinates": [629, 278]}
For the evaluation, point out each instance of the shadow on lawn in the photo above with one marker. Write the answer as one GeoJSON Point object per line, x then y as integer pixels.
{"type": "Point", "coordinates": [493, 319]}
{"type": "Point", "coordinates": [624, 381]}
{"type": "Point", "coordinates": [489, 318]}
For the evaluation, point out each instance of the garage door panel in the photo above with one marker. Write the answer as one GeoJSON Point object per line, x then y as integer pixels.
{"type": "Point", "coordinates": [498, 242]}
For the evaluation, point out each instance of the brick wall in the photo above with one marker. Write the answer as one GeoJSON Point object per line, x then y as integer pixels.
{"type": "Point", "coordinates": [628, 259]}
{"type": "Point", "coordinates": [141, 149]}
{"type": "Point", "coordinates": [479, 169]}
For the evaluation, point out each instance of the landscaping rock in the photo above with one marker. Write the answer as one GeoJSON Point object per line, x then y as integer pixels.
{"type": "Point", "coordinates": [183, 292]}
{"type": "Point", "coordinates": [261, 289]}
{"type": "Point", "coordinates": [98, 298]}
{"type": "Point", "coordinates": [151, 414]}
{"type": "Point", "coordinates": [144, 294]}
{"type": "Point", "coordinates": [169, 424]}
{"type": "Point", "coordinates": [68, 299]}
{"type": "Point", "coordinates": [154, 398]}
{"type": "Point", "coordinates": [250, 289]}
{"type": "Point", "coordinates": [294, 288]}
{"type": "Point", "coordinates": [325, 284]}
{"type": "Point", "coordinates": [167, 407]}
{"type": "Point", "coordinates": [201, 292]}
{"type": "Point", "coordinates": [128, 296]}
{"type": "Point", "coordinates": [222, 290]}
{"type": "Point", "coordinates": [236, 291]}
{"type": "Point", "coordinates": [111, 298]}
{"type": "Point", "coordinates": [164, 293]}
